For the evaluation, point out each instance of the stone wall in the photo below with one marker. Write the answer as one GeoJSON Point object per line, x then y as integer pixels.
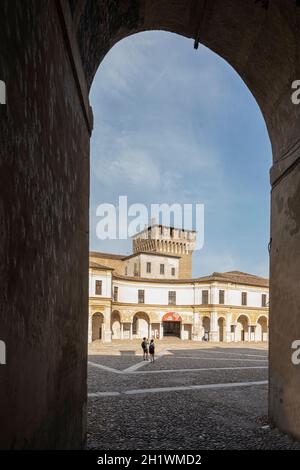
{"type": "Point", "coordinates": [44, 188]}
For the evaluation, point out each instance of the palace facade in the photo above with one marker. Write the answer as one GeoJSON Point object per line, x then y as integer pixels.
{"type": "Point", "coordinates": [151, 293]}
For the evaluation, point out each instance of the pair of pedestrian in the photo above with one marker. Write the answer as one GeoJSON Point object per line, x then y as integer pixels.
{"type": "Point", "coordinates": [148, 349]}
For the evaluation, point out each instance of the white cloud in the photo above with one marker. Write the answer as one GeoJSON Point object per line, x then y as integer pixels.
{"type": "Point", "coordinates": [131, 166]}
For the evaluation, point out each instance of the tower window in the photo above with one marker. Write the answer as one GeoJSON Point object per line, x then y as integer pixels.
{"type": "Point", "coordinates": [221, 297]}
{"type": "Point", "coordinates": [173, 271]}
{"type": "Point", "coordinates": [148, 267]}
{"type": "Point", "coordinates": [264, 300]}
{"type": "Point", "coordinates": [162, 269]}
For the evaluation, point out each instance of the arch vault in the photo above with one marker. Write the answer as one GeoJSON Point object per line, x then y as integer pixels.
{"type": "Point", "coordinates": [48, 66]}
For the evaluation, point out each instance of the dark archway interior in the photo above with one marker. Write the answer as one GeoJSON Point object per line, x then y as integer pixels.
{"type": "Point", "coordinates": [48, 65]}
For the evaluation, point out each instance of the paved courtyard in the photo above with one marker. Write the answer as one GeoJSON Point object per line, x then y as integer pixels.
{"type": "Point", "coordinates": [194, 396]}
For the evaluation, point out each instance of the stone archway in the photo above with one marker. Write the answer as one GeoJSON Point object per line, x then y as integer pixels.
{"type": "Point", "coordinates": [51, 197]}
{"type": "Point", "coordinates": [261, 329]}
{"type": "Point", "coordinates": [140, 325]}
{"type": "Point", "coordinates": [242, 328]}
{"type": "Point", "coordinates": [97, 324]}
{"type": "Point", "coordinates": [172, 323]}
{"type": "Point", "coordinates": [116, 325]}
{"type": "Point", "coordinates": [206, 323]}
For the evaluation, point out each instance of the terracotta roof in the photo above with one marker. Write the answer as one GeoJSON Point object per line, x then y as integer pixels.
{"type": "Point", "coordinates": [235, 277]}
{"type": "Point", "coordinates": [150, 279]}
{"type": "Point", "coordinates": [97, 254]}
{"type": "Point", "coordinates": [99, 266]}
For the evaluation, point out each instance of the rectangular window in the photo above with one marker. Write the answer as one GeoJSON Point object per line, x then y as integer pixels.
{"type": "Point", "coordinates": [173, 271]}
{"type": "Point", "coordinates": [205, 297]}
{"type": "Point", "coordinates": [244, 298]}
{"type": "Point", "coordinates": [98, 288]}
{"type": "Point", "coordinates": [116, 294]}
{"type": "Point", "coordinates": [264, 300]}
{"type": "Point", "coordinates": [148, 267]}
{"type": "Point", "coordinates": [141, 296]}
{"type": "Point", "coordinates": [172, 297]}
{"type": "Point", "coordinates": [221, 297]}
{"type": "Point", "coordinates": [162, 269]}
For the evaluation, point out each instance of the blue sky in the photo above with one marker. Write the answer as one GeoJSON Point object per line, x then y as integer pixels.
{"type": "Point", "coordinates": [174, 124]}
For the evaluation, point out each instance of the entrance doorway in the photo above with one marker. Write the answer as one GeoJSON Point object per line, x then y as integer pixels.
{"type": "Point", "coordinates": [171, 324]}
{"type": "Point", "coordinates": [171, 328]}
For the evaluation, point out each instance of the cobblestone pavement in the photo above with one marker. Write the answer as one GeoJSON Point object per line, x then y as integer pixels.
{"type": "Point", "coordinates": [194, 396]}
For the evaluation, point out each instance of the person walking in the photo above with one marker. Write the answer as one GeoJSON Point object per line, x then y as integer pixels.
{"type": "Point", "coordinates": [152, 350]}
{"type": "Point", "coordinates": [145, 349]}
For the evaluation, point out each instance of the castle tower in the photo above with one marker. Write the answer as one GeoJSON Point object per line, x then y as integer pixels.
{"type": "Point", "coordinates": [168, 240]}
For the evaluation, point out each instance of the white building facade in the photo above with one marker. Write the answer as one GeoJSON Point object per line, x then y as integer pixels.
{"type": "Point", "coordinates": [223, 307]}
{"type": "Point", "coordinates": [146, 295]}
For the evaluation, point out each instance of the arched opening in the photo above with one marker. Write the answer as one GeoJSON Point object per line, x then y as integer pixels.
{"type": "Point", "coordinates": [244, 34]}
{"type": "Point", "coordinates": [97, 323]}
{"type": "Point", "coordinates": [206, 328]}
{"type": "Point", "coordinates": [172, 324]}
{"type": "Point", "coordinates": [221, 329]}
{"type": "Point", "coordinates": [115, 325]}
{"type": "Point", "coordinates": [261, 329]}
{"type": "Point", "coordinates": [241, 330]}
{"type": "Point", "coordinates": [174, 327]}
{"type": "Point", "coordinates": [140, 325]}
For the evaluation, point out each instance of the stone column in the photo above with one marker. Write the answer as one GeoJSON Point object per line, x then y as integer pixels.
{"type": "Point", "coordinates": [228, 338]}
{"type": "Point", "coordinates": [130, 330]}
{"type": "Point", "coordinates": [234, 334]}
{"type": "Point", "coordinates": [161, 331]}
{"type": "Point", "coordinates": [214, 332]}
{"type": "Point", "coordinates": [106, 327]}
{"type": "Point", "coordinates": [197, 328]}
{"type": "Point", "coordinates": [249, 333]}
{"type": "Point", "coordinates": [90, 329]}
{"type": "Point", "coordinates": [122, 330]}
{"type": "Point", "coordinates": [182, 331]}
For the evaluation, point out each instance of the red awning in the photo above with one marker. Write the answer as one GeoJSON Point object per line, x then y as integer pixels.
{"type": "Point", "coordinates": [171, 316]}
